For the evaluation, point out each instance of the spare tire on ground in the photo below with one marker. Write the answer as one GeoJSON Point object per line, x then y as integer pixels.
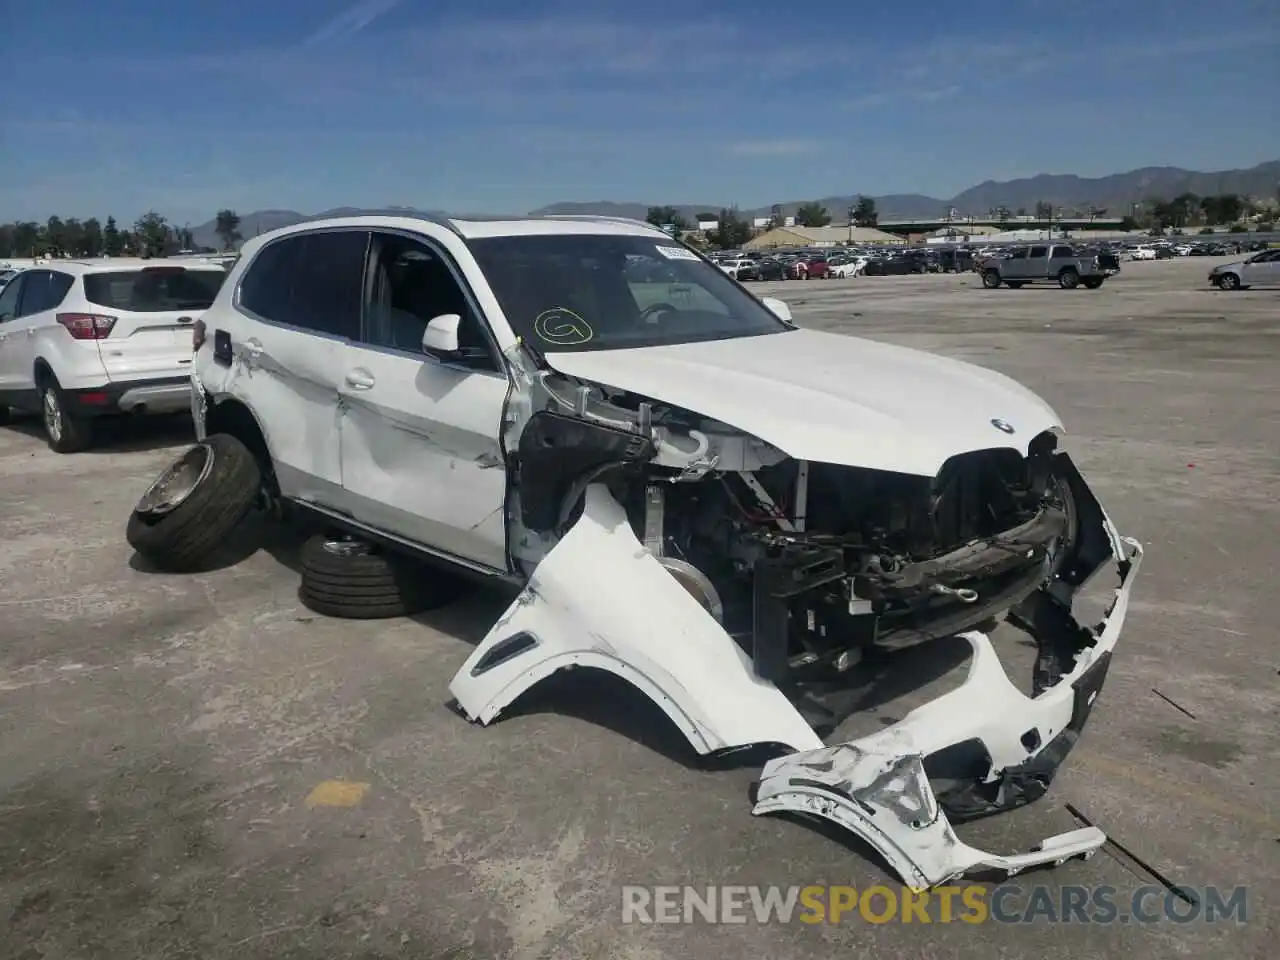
{"type": "Point", "coordinates": [354, 580]}
{"type": "Point", "coordinates": [184, 516]}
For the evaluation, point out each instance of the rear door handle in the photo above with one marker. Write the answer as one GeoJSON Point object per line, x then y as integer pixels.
{"type": "Point", "coordinates": [360, 379]}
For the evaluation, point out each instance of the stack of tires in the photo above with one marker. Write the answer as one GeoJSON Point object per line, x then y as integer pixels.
{"type": "Point", "coordinates": [186, 517]}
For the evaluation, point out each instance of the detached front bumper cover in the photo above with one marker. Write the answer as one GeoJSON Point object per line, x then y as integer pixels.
{"type": "Point", "coordinates": [877, 787]}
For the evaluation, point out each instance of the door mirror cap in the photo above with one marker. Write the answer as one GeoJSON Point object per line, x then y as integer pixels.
{"type": "Point", "coordinates": [440, 339]}
{"type": "Point", "coordinates": [778, 308]}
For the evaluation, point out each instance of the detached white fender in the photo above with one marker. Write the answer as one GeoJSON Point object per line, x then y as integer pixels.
{"type": "Point", "coordinates": [600, 599]}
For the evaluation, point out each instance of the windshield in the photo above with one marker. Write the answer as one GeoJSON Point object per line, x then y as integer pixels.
{"type": "Point", "coordinates": [577, 292]}
{"type": "Point", "coordinates": [154, 289]}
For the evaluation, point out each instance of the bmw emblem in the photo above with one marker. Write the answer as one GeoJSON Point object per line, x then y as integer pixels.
{"type": "Point", "coordinates": [1004, 426]}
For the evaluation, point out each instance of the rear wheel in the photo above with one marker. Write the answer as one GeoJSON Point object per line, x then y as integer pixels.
{"type": "Point", "coordinates": [346, 578]}
{"type": "Point", "coordinates": [64, 432]}
{"type": "Point", "coordinates": [990, 279]}
{"type": "Point", "coordinates": [1069, 279]}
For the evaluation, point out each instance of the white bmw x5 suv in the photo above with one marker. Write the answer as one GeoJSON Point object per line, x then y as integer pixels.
{"type": "Point", "coordinates": [694, 494]}
{"type": "Point", "coordinates": [85, 339]}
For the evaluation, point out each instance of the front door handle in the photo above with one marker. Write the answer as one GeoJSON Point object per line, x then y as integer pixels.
{"type": "Point", "coordinates": [253, 348]}
{"type": "Point", "coordinates": [360, 379]}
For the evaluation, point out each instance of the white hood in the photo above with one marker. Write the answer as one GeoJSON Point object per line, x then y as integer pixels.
{"type": "Point", "coordinates": [829, 398]}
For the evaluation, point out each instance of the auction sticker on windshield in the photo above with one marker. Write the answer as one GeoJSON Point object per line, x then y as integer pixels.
{"type": "Point", "coordinates": [677, 253]}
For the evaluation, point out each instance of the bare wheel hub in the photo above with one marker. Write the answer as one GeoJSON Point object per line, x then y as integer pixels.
{"type": "Point", "coordinates": [178, 481]}
{"type": "Point", "coordinates": [347, 548]}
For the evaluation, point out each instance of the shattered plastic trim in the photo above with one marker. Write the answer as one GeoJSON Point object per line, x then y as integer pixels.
{"type": "Point", "coordinates": [600, 599]}
{"type": "Point", "coordinates": [199, 406]}
{"type": "Point", "coordinates": [876, 787]}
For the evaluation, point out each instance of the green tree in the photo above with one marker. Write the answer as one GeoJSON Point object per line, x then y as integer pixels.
{"type": "Point", "coordinates": [1044, 210]}
{"type": "Point", "coordinates": [812, 214]}
{"type": "Point", "coordinates": [227, 227]}
{"type": "Point", "coordinates": [26, 239]}
{"type": "Point", "coordinates": [112, 241]}
{"type": "Point", "coordinates": [864, 212]}
{"type": "Point", "coordinates": [1128, 224]}
{"type": "Point", "coordinates": [1186, 206]}
{"type": "Point", "coordinates": [91, 238]}
{"type": "Point", "coordinates": [152, 232]}
{"type": "Point", "coordinates": [661, 216]}
{"type": "Point", "coordinates": [1222, 208]}
{"type": "Point", "coordinates": [73, 237]}
{"type": "Point", "coordinates": [732, 230]}
{"type": "Point", "coordinates": [55, 237]}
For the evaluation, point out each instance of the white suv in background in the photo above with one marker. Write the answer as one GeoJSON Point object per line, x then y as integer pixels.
{"type": "Point", "coordinates": [82, 339]}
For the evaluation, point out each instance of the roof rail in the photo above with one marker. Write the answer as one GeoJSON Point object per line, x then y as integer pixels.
{"type": "Point", "coordinates": [598, 218]}
{"type": "Point", "coordinates": [439, 219]}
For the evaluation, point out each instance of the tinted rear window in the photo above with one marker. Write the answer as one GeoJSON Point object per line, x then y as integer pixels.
{"type": "Point", "coordinates": [154, 290]}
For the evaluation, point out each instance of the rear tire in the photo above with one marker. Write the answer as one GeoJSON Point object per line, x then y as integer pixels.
{"type": "Point", "coordinates": [990, 279]}
{"type": "Point", "coordinates": [181, 536]}
{"type": "Point", "coordinates": [1069, 279]}
{"type": "Point", "coordinates": [351, 580]}
{"type": "Point", "coordinates": [64, 432]}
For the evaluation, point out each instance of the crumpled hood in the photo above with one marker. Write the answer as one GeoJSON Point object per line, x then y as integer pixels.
{"type": "Point", "coordinates": [829, 398]}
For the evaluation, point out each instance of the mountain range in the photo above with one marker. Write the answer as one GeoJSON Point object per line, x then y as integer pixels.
{"type": "Point", "coordinates": [1115, 193]}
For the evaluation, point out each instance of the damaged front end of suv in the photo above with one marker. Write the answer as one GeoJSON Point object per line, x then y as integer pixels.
{"type": "Point", "coordinates": [733, 576]}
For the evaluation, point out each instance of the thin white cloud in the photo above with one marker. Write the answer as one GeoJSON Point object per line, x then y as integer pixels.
{"type": "Point", "coordinates": [880, 98]}
{"type": "Point", "coordinates": [349, 22]}
{"type": "Point", "coordinates": [773, 148]}
{"type": "Point", "coordinates": [937, 94]}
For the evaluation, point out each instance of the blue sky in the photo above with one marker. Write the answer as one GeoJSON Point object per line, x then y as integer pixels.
{"type": "Point", "coordinates": [116, 107]}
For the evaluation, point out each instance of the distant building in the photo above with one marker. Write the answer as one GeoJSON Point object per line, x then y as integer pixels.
{"type": "Point", "coordinates": [792, 236]}
{"type": "Point", "coordinates": [961, 233]}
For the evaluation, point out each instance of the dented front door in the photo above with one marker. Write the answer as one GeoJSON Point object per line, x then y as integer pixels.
{"type": "Point", "coordinates": [420, 452]}
{"type": "Point", "coordinates": [419, 435]}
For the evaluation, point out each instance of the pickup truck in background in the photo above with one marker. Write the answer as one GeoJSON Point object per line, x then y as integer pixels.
{"type": "Point", "coordinates": [1049, 263]}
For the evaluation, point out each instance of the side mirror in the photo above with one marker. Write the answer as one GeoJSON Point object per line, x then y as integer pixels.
{"type": "Point", "coordinates": [778, 308]}
{"type": "Point", "coordinates": [440, 339]}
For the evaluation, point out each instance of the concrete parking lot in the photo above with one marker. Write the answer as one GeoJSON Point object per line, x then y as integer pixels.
{"type": "Point", "coordinates": [198, 766]}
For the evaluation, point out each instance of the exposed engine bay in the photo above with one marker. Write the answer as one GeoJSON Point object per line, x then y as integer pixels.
{"type": "Point", "coordinates": [719, 576]}
{"type": "Point", "coordinates": [807, 564]}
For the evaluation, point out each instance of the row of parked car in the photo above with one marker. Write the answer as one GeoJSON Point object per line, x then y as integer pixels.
{"type": "Point", "coordinates": [811, 264]}
{"type": "Point", "coordinates": [1168, 249]}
